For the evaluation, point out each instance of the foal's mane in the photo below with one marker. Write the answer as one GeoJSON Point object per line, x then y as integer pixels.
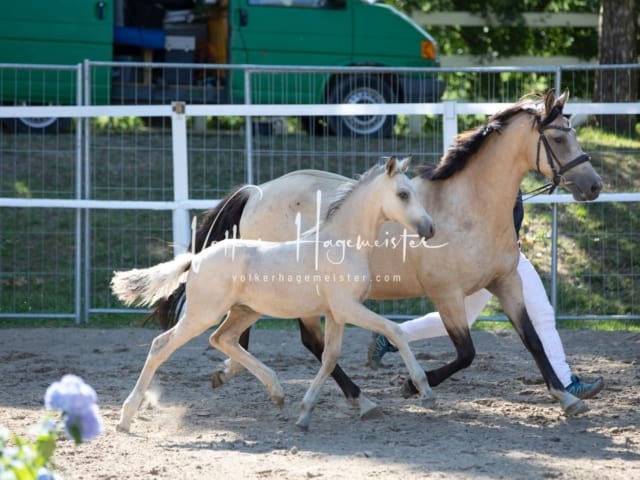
{"type": "Point", "coordinates": [346, 190]}
{"type": "Point", "coordinates": [468, 143]}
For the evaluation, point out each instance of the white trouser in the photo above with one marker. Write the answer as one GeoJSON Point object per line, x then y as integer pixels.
{"type": "Point", "coordinates": [538, 307]}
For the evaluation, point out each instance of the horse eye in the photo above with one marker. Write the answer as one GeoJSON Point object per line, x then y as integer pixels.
{"type": "Point", "coordinates": [403, 195]}
{"type": "Point", "coordinates": [558, 140]}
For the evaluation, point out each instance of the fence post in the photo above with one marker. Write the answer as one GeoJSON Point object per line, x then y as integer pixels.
{"type": "Point", "coordinates": [449, 123]}
{"type": "Point", "coordinates": [248, 125]}
{"type": "Point", "coordinates": [86, 182]}
{"type": "Point", "coordinates": [181, 224]}
{"type": "Point", "coordinates": [79, 312]}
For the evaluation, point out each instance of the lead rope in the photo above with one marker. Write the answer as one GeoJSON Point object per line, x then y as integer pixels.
{"type": "Point", "coordinates": [548, 187]}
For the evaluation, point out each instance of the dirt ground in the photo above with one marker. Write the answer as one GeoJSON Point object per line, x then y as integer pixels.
{"type": "Point", "coordinates": [493, 420]}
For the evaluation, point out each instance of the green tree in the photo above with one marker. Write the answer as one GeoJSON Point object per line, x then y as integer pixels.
{"type": "Point", "coordinates": [505, 33]}
{"type": "Point", "coordinates": [618, 44]}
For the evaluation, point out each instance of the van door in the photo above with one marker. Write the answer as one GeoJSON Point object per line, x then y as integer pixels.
{"type": "Point", "coordinates": [64, 32]}
{"type": "Point", "coordinates": [290, 32]}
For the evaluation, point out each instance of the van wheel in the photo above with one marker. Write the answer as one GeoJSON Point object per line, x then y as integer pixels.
{"type": "Point", "coordinates": [362, 89]}
{"type": "Point", "coordinates": [38, 125]}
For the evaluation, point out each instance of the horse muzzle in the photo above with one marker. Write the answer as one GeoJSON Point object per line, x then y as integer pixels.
{"type": "Point", "coordinates": [584, 187]}
{"type": "Point", "coordinates": [426, 229]}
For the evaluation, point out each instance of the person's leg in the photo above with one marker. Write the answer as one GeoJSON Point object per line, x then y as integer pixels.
{"type": "Point", "coordinates": [543, 318]}
{"type": "Point", "coordinates": [544, 322]}
{"type": "Point", "coordinates": [427, 326]}
{"type": "Point", "coordinates": [430, 325]}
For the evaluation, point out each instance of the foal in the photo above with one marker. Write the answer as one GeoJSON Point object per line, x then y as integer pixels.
{"type": "Point", "coordinates": [325, 271]}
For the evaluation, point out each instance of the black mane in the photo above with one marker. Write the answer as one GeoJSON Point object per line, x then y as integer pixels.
{"type": "Point", "coordinates": [468, 143]}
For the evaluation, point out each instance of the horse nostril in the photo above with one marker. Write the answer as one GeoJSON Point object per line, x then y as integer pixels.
{"type": "Point", "coordinates": [596, 187]}
{"type": "Point", "coordinates": [426, 231]}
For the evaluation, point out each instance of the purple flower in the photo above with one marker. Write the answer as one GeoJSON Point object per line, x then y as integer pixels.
{"type": "Point", "coordinates": [77, 402]}
{"type": "Point", "coordinates": [70, 395]}
{"type": "Point", "coordinates": [84, 426]}
{"type": "Point", "coordinates": [46, 474]}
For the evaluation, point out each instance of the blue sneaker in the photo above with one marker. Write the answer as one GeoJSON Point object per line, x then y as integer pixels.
{"type": "Point", "coordinates": [584, 390]}
{"type": "Point", "coordinates": [377, 348]}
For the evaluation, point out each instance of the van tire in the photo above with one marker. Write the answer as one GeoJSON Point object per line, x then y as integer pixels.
{"type": "Point", "coordinates": [50, 125]}
{"type": "Point", "coordinates": [362, 89]}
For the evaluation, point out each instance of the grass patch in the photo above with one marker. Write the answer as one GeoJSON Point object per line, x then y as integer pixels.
{"type": "Point", "coordinates": [599, 245]}
{"type": "Point", "coordinates": [593, 136]}
{"type": "Point", "coordinates": [595, 324]}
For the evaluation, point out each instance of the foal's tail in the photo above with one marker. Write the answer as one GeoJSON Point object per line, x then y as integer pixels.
{"type": "Point", "coordinates": [146, 286]}
{"type": "Point", "coordinates": [219, 223]}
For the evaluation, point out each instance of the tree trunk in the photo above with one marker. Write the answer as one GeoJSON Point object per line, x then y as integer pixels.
{"type": "Point", "coordinates": [617, 44]}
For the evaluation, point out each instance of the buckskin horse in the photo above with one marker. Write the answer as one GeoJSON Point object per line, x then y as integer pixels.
{"type": "Point", "coordinates": [470, 194]}
{"type": "Point", "coordinates": [324, 271]}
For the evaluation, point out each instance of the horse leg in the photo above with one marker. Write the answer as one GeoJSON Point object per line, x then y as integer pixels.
{"type": "Point", "coordinates": [359, 315]}
{"type": "Point", "coordinates": [225, 339]}
{"type": "Point", "coordinates": [230, 368]}
{"type": "Point", "coordinates": [509, 292]}
{"type": "Point", "coordinates": [312, 338]}
{"type": "Point", "coordinates": [161, 348]}
{"type": "Point", "coordinates": [334, 332]}
{"type": "Point", "coordinates": [465, 353]}
{"type": "Point", "coordinates": [453, 314]}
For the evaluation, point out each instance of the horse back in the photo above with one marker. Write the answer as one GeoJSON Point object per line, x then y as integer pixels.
{"type": "Point", "coordinates": [271, 211]}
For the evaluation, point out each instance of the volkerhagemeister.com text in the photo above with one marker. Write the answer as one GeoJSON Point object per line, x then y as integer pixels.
{"type": "Point", "coordinates": [300, 279]}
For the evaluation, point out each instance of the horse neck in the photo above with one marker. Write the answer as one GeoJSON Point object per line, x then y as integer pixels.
{"type": "Point", "coordinates": [359, 217]}
{"type": "Point", "coordinates": [498, 168]}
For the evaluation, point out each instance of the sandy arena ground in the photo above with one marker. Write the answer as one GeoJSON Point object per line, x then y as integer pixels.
{"type": "Point", "coordinates": [493, 420]}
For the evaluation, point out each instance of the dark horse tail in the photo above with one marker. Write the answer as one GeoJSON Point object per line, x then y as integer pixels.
{"type": "Point", "coordinates": [219, 223]}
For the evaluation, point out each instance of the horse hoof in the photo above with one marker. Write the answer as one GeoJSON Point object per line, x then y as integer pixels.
{"type": "Point", "coordinates": [303, 425]}
{"type": "Point", "coordinates": [408, 390]}
{"type": "Point", "coordinates": [372, 414]}
{"type": "Point", "coordinates": [576, 408]}
{"type": "Point", "coordinates": [123, 428]}
{"type": "Point", "coordinates": [278, 401]}
{"type": "Point", "coordinates": [368, 409]}
{"type": "Point", "coordinates": [216, 379]}
{"type": "Point", "coordinates": [429, 402]}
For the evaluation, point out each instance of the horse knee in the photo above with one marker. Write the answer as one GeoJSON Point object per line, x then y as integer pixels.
{"type": "Point", "coordinates": [160, 342]}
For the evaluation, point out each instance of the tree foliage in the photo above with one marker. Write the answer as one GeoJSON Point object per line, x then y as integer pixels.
{"type": "Point", "coordinates": [506, 34]}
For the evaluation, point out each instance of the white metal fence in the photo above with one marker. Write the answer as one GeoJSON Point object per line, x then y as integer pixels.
{"type": "Point", "coordinates": [118, 189]}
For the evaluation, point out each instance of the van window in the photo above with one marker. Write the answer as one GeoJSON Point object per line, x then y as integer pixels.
{"type": "Point", "coordinates": [301, 3]}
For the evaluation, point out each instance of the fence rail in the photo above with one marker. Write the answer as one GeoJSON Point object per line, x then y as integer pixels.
{"type": "Point", "coordinates": [73, 190]}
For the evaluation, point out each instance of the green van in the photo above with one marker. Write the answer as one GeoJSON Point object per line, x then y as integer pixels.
{"type": "Point", "coordinates": [334, 33]}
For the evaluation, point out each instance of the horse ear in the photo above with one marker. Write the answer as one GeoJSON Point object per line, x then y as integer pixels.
{"type": "Point", "coordinates": [392, 166]}
{"type": "Point", "coordinates": [549, 102]}
{"type": "Point", "coordinates": [562, 99]}
{"type": "Point", "coordinates": [403, 165]}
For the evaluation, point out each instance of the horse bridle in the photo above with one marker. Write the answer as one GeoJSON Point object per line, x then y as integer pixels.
{"type": "Point", "coordinates": [556, 167]}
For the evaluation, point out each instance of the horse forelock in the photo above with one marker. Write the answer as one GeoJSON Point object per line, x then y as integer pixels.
{"type": "Point", "coordinates": [468, 143]}
{"type": "Point", "coordinates": [550, 116]}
